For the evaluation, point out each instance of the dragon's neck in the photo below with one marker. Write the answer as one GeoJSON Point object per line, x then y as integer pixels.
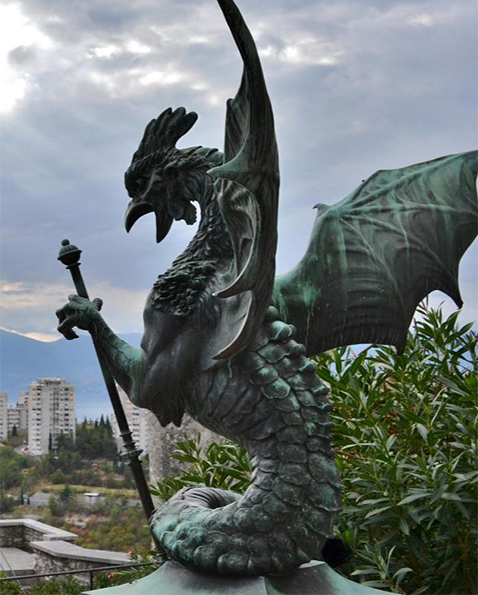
{"type": "Point", "coordinates": [177, 290]}
{"type": "Point", "coordinates": [211, 242]}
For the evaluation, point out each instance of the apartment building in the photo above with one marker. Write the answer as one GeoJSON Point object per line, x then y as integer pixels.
{"type": "Point", "coordinates": [13, 419]}
{"type": "Point", "coordinates": [3, 416]}
{"type": "Point", "coordinates": [22, 407]}
{"type": "Point", "coordinates": [51, 412]}
{"type": "Point", "coordinates": [137, 421]}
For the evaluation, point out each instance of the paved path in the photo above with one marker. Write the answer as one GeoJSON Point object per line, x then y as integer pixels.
{"type": "Point", "coordinates": [16, 560]}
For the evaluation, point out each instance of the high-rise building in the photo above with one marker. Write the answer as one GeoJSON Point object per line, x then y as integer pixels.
{"type": "Point", "coordinates": [51, 412]}
{"type": "Point", "coordinates": [137, 421]}
{"type": "Point", "coordinates": [3, 416]}
{"type": "Point", "coordinates": [13, 419]}
{"type": "Point", "coordinates": [22, 406]}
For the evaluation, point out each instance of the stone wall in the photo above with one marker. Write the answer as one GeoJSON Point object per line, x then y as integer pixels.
{"type": "Point", "coordinates": [11, 536]}
{"type": "Point", "coordinates": [20, 533]}
{"type": "Point", "coordinates": [162, 444]}
{"type": "Point", "coordinates": [49, 549]}
{"type": "Point", "coordinates": [57, 556]}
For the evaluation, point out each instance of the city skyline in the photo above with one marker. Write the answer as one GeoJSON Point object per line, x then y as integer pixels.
{"type": "Point", "coordinates": [46, 411]}
{"type": "Point", "coordinates": [84, 409]}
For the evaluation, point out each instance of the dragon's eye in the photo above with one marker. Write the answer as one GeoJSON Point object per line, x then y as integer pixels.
{"type": "Point", "coordinates": [141, 184]}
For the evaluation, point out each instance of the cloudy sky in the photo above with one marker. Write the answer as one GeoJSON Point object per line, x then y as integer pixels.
{"type": "Point", "coordinates": [356, 85]}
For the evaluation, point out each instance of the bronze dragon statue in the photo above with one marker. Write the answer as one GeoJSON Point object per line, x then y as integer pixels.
{"type": "Point", "coordinates": [229, 342]}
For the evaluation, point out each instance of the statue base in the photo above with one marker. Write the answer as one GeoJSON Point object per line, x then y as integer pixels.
{"type": "Point", "coordinates": [314, 578]}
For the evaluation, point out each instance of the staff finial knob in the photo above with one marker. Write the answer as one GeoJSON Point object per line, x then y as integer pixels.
{"type": "Point", "coordinates": [69, 253]}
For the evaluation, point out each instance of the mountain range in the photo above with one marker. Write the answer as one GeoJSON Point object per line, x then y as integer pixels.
{"type": "Point", "coordinates": [24, 360]}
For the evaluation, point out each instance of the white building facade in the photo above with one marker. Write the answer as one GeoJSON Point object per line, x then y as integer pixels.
{"type": "Point", "coordinates": [51, 412]}
{"type": "Point", "coordinates": [3, 416]}
{"type": "Point", "coordinates": [13, 419]}
{"type": "Point", "coordinates": [137, 420]}
{"type": "Point", "coordinates": [22, 407]}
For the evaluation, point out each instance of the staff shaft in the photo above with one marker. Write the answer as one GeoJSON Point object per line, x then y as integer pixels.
{"type": "Point", "coordinates": [70, 256]}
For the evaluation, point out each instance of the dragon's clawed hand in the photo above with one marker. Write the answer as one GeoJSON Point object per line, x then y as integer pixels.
{"type": "Point", "coordinates": [79, 312]}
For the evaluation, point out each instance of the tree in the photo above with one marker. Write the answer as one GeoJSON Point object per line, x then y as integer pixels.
{"type": "Point", "coordinates": [58, 477]}
{"type": "Point", "coordinates": [11, 467]}
{"type": "Point", "coordinates": [95, 440]}
{"type": "Point", "coordinates": [7, 503]}
{"type": "Point", "coordinates": [67, 494]}
{"type": "Point", "coordinates": [14, 431]}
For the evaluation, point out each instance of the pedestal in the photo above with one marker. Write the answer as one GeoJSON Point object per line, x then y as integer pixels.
{"type": "Point", "coordinates": [315, 578]}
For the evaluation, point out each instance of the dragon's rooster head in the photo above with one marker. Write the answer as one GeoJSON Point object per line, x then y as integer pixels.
{"type": "Point", "coordinates": [166, 180]}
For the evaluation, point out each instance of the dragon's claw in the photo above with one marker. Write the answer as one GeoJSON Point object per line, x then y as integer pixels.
{"type": "Point", "coordinates": [79, 312]}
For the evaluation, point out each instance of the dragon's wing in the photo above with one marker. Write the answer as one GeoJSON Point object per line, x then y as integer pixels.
{"type": "Point", "coordinates": [248, 195]}
{"type": "Point", "coordinates": [375, 255]}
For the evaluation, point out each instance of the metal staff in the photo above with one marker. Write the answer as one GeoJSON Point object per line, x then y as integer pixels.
{"type": "Point", "coordinates": [70, 257]}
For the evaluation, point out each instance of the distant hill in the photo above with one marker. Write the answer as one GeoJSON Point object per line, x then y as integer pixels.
{"type": "Point", "coordinates": [24, 360]}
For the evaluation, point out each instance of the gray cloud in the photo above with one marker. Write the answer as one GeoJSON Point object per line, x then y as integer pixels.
{"type": "Point", "coordinates": [356, 87]}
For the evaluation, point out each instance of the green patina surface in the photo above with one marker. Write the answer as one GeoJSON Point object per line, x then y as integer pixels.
{"type": "Point", "coordinates": [172, 579]}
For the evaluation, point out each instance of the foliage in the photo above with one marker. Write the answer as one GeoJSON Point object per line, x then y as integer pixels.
{"type": "Point", "coordinates": [91, 461]}
{"type": "Point", "coordinates": [71, 461]}
{"type": "Point", "coordinates": [67, 495]}
{"type": "Point", "coordinates": [121, 577]}
{"type": "Point", "coordinates": [222, 465]}
{"type": "Point", "coordinates": [7, 502]}
{"type": "Point", "coordinates": [17, 440]}
{"type": "Point", "coordinates": [58, 477]}
{"type": "Point", "coordinates": [80, 489]}
{"type": "Point", "coordinates": [67, 586]}
{"type": "Point", "coordinates": [406, 436]}
{"type": "Point", "coordinates": [95, 439]}
{"type": "Point", "coordinates": [120, 528]}
{"type": "Point", "coordinates": [9, 587]}
{"type": "Point", "coordinates": [12, 465]}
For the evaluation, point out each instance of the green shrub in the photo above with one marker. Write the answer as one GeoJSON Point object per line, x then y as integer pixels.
{"type": "Point", "coordinates": [122, 528]}
{"type": "Point", "coordinates": [121, 577]}
{"type": "Point", "coordinates": [221, 465]}
{"type": "Point", "coordinates": [12, 466]}
{"type": "Point", "coordinates": [406, 436]}
{"type": "Point", "coordinates": [67, 586]}
{"type": "Point", "coordinates": [58, 477]}
{"type": "Point", "coordinates": [7, 502]}
{"type": "Point", "coordinates": [9, 587]}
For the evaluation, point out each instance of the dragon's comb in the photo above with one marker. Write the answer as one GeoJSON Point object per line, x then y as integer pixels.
{"type": "Point", "coordinates": [162, 134]}
{"type": "Point", "coordinates": [159, 142]}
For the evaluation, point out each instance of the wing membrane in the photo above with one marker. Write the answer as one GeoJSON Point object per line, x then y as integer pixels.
{"type": "Point", "coordinates": [375, 255]}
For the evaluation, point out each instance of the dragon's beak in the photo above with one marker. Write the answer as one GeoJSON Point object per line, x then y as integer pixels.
{"type": "Point", "coordinates": [135, 210]}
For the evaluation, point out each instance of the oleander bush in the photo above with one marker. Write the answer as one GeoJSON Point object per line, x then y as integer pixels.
{"type": "Point", "coordinates": [406, 437]}
{"type": "Point", "coordinates": [222, 465]}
